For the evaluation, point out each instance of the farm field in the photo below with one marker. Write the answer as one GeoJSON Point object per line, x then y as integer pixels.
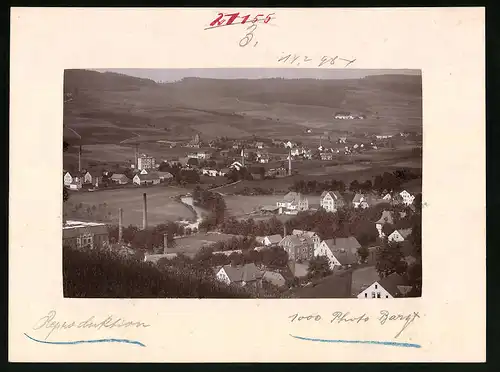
{"type": "Point", "coordinates": [242, 205]}
{"type": "Point", "coordinates": [162, 206]}
{"type": "Point", "coordinates": [340, 173]}
{"type": "Point", "coordinates": [189, 245]}
{"type": "Point", "coordinates": [108, 153]}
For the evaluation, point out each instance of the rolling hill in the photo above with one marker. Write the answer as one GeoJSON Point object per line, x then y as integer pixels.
{"type": "Point", "coordinates": [108, 108]}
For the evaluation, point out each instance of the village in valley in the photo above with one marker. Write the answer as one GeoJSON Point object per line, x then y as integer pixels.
{"type": "Point", "coordinates": [329, 208]}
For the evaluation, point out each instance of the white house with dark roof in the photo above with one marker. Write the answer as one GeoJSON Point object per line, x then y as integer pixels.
{"type": "Point", "coordinates": [399, 235]}
{"type": "Point", "coordinates": [386, 218]}
{"type": "Point", "coordinates": [330, 201]}
{"type": "Point", "coordinates": [68, 178]}
{"type": "Point", "coordinates": [387, 197]}
{"type": "Point", "coordinates": [271, 240]}
{"type": "Point", "coordinates": [358, 200]}
{"type": "Point", "coordinates": [146, 179]}
{"type": "Point", "coordinates": [392, 286]}
{"type": "Point", "coordinates": [292, 203]}
{"type": "Point", "coordinates": [243, 275]}
{"type": "Point", "coordinates": [92, 178]}
{"type": "Point", "coordinates": [341, 252]}
{"type": "Point", "coordinates": [309, 234]}
{"type": "Point", "coordinates": [407, 197]}
{"type": "Point", "coordinates": [120, 178]}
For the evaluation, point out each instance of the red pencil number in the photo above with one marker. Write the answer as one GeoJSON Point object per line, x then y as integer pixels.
{"type": "Point", "coordinates": [256, 19]}
{"type": "Point", "coordinates": [217, 20]}
{"type": "Point", "coordinates": [222, 21]}
{"type": "Point", "coordinates": [232, 18]}
{"type": "Point", "coordinates": [268, 18]}
{"type": "Point", "coordinates": [245, 18]}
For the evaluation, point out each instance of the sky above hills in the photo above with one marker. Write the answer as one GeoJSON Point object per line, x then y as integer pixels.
{"type": "Point", "coordinates": [170, 75]}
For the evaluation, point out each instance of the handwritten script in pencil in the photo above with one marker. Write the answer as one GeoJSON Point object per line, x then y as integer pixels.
{"type": "Point", "coordinates": [314, 61]}
{"type": "Point", "coordinates": [341, 318]}
{"type": "Point", "coordinates": [49, 324]}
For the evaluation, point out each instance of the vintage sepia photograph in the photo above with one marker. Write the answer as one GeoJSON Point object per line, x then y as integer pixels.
{"type": "Point", "coordinates": [242, 183]}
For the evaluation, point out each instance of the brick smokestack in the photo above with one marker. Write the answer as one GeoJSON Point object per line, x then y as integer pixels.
{"type": "Point", "coordinates": [165, 243]}
{"type": "Point", "coordinates": [290, 162]}
{"type": "Point", "coordinates": [136, 156]}
{"type": "Point", "coordinates": [284, 230]}
{"type": "Point", "coordinates": [80, 159]}
{"type": "Point", "coordinates": [120, 225]}
{"type": "Point", "coordinates": [144, 212]}
{"type": "Point", "coordinates": [243, 156]}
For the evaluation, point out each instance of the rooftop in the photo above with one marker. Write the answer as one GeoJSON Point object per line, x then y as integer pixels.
{"type": "Point", "coordinates": [70, 224]}
{"type": "Point", "coordinates": [246, 273]}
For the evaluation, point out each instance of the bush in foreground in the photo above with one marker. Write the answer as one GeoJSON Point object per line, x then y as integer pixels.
{"type": "Point", "coordinates": [98, 274]}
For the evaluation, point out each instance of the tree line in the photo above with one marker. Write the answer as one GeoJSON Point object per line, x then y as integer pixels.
{"type": "Point", "coordinates": [390, 256]}
{"type": "Point", "coordinates": [180, 176]}
{"type": "Point", "coordinates": [152, 238]}
{"type": "Point", "coordinates": [213, 203]}
{"type": "Point", "coordinates": [344, 223]}
{"type": "Point", "coordinates": [382, 183]}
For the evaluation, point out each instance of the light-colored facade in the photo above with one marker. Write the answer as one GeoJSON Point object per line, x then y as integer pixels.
{"type": "Point", "coordinates": [331, 201]}
{"type": "Point", "coordinates": [375, 291]}
{"type": "Point", "coordinates": [78, 234]}
{"type": "Point", "coordinates": [146, 162]}
{"type": "Point", "coordinates": [407, 197]}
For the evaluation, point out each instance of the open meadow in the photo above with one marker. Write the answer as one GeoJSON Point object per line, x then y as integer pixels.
{"type": "Point", "coordinates": [162, 205]}
{"type": "Point", "coordinates": [190, 245]}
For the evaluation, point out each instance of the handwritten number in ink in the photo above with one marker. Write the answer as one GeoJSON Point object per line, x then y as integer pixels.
{"type": "Point", "coordinates": [327, 59]}
{"type": "Point", "coordinates": [346, 60]}
{"type": "Point", "coordinates": [253, 27]}
{"type": "Point", "coordinates": [314, 317]}
{"type": "Point", "coordinates": [217, 20]}
{"type": "Point", "coordinates": [232, 18]}
{"type": "Point", "coordinates": [285, 58]}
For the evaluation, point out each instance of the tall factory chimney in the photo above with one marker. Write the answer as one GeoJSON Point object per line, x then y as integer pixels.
{"type": "Point", "coordinates": [290, 162]}
{"type": "Point", "coordinates": [80, 159]}
{"type": "Point", "coordinates": [136, 165]}
{"type": "Point", "coordinates": [144, 213]}
{"type": "Point", "coordinates": [243, 157]}
{"type": "Point", "coordinates": [165, 243]}
{"type": "Point", "coordinates": [120, 225]}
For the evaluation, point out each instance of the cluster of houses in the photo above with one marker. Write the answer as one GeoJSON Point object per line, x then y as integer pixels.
{"type": "Point", "coordinates": [301, 246]}
{"type": "Point", "coordinates": [145, 174]}
{"type": "Point", "coordinates": [344, 115]}
{"type": "Point", "coordinates": [294, 202]}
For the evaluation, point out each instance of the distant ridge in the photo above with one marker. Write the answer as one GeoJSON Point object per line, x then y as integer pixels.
{"type": "Point", "coordinates": [109, 107]}
{"type": "Point", "coordinates": [89, 79]}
